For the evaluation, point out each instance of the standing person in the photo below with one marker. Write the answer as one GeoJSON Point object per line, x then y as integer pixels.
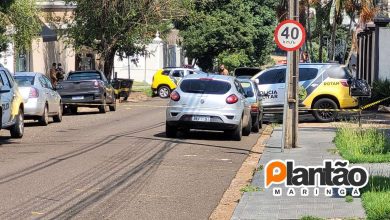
{"type": "Point", "coordinates": [223, 70]}
{"type": "Point", "coordinates": [60, 72]}
{"type": "Point", "coordinates": [354, 70]}
{"type": "Point", "coordinates": [53, 74]}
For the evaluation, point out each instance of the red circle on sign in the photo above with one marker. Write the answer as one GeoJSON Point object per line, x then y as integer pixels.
{"type": "Point", "coordinates": [299, 26]}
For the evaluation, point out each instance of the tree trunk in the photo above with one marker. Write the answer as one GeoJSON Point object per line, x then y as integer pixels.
{"type": "Point", "coordinates": [321, 44]}
{"type": "Point", "coordinates": [109, 63]}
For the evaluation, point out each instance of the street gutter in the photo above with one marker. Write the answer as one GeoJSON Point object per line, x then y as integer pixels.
{"type": "Point", "coordinates": [232, 195]}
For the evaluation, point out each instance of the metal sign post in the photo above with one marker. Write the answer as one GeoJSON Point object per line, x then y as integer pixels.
{"type": "Point", "coordinates": [290, 36]}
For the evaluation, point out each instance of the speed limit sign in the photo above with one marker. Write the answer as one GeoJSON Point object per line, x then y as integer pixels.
{"type": "Point", "coordinates": [290, 35]}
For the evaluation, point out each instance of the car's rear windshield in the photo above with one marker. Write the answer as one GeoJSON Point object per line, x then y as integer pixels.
{"type": "Point", "coordinates": [24, 80]}
{"type": "Point", "coordinates": [84, 76]}
{"type": "Point", "coordinates": [247, 86]}
{"type": "Point", "coordinates": [205, 86]}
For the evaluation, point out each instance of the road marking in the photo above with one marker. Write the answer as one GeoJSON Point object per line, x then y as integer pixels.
{"type": "Point", "coordinates": [190, 155]}
{"type": "Point", "coordinates": [37, 213]}
{"type": "Point", "coordinates": [225, 159]}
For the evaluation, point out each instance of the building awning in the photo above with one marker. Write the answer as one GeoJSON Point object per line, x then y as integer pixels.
{"type": "Point", "coordinates": [48, 34]}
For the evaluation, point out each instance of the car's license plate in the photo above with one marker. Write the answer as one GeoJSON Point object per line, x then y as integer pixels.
{"type": "Point", "coordinates": [201, 118]}
{"type": "Point", "coordinates": [77, 97]}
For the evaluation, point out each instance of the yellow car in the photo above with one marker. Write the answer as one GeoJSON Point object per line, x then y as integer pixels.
{"type": "Point", "coordinates": [12, 107]}
{"type": "Point", "coordinates": [165, 80]}
{"type": "Point", "coordinates": [323, 86]}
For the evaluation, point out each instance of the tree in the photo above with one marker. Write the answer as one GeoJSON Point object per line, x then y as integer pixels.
{"type": "Point", "coordinates": [120, 26]}
{"type": "Point", "coordinates": [19, 23]}
{"type": "Point", "coordinates": [233, 32]}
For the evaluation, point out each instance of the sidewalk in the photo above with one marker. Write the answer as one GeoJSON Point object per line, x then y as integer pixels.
{"type": "Point", "coordinates": [315, 146]}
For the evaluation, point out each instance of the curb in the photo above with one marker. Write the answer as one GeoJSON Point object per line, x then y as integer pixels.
{"type": "Point", "coordinates": [232, 195]}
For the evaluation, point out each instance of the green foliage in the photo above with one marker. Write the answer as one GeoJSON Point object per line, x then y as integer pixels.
{"type": "Point", "coordinates": [376, 198]}
{"type": "Point", "coordinates": [123, 26]}
{"type": "Point", "coordinates": [250, 188]}
{"type": "Point", "coordinates": [20, 16]}
{"type": "Point", "coordinates": [349, 199]}
{"type": "Point", "coordinates": [235, 32]}
{"type": "Point", "coordinates": [310, 218]}
{"type": "Point", "coordinates": [380, 90]}
{"type": "Point", "coordinates": [357, 145]}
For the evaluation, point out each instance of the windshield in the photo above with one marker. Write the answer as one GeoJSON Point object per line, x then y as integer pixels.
{"type": "Point", "coordinates": [24, 80]}
{"type": "Point", "coordinates": [205, 86]}
{"type": "Point", "coordinates": [84, 76]}
{"type": "Point", "coordinates": [247, 86]}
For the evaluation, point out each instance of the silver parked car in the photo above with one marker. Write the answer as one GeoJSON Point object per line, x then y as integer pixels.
{"type": "Point", "coordinates": [41, 101]}
{"type": "Point", "coordinates": [255, 99]}
{"type": "Point", "coordinates": [209, 102]}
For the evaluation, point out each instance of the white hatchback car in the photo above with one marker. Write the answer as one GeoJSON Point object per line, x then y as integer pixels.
{"type": "Point", "coordinates": [209, 102]}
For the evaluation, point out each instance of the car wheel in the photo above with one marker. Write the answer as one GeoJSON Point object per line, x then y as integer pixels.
{"type": "Point", "coordinates": [325, 116]}
{"type": "Point", "coordinates": [17, 130]}
{"type": "Point", "coordinates": [164, 92]}
{"type": "Point", "coordinates": [44, 119]}
{"type": "Point", "coordinates": [102, 108]}
{"type": "Point", "coordinates": [261, 120]}
{"type": "Point", "coordinates": [113, 106]}
{"type": "Point", "coordinates": [73, 110]}
{"type": "Point", "coordinates": [235, 134]}
{"type": "Point", "coordinates": [256, 124]}
{"type": "Point", "coordinates": [58, 118]}
{"type": "Point", "coordinates": [247, 130]}
{"type": "Point", "coordinates": [170, 131]}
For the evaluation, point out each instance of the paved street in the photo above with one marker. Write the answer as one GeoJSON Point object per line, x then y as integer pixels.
{"type": "Point", "coordinates": [117, 165]}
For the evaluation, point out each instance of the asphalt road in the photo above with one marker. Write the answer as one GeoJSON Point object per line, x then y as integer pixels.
{"type": "Point", "coordinates": [117, 165]}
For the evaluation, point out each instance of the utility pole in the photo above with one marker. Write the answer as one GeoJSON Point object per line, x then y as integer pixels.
{"type": "Point", "coordinates": [291, 107]}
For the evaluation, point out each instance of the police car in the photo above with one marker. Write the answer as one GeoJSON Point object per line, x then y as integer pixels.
{"type": "Point", "coordinates": [11, 104]}
{"type": "Point", "coordinates": [322, 86]}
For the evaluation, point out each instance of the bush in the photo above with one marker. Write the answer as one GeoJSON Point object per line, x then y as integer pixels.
{"type": "Point", "coordinates": [368, 145]}
{"type": "Point", "coordinates": [376, 198]}
{"type": "Point", "coordinates": [380, 90]}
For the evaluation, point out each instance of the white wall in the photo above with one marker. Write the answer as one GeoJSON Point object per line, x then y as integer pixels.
{"type": "Point", "coordinates": [7, 58]}
{"type": "Point", "coordinates": [384, 51]}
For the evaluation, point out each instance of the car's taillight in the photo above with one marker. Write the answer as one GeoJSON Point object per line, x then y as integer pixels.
{"type": "Point", "coordinates": [33, 93]}
{"type": "Point", "coordinates": [344, 83]}
{"type": "Point", "coordinates": [175, 96]}
{"type": "Point", "coordinates": [231, 99]}
{"type": "Point", "coordinates": [254, 108]}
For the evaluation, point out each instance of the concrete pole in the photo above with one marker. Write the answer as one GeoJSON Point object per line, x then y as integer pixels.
{"type": "Point", "coordinates": [291, 107]}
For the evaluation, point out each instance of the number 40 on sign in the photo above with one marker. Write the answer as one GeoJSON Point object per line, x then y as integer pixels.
{"type": "Point", "coordinates": [290, 35]}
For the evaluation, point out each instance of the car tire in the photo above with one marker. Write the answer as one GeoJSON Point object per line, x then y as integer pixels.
{"type": "Point", "coordinates": [164, 91]}
{"type": "Point", "coordinates": [113, 106]}
{"type": "Point", "coordinates": [17, 130]}
{"type": "Point", "coordinates": [58, 118]}
{"type": "Point", "coordinates": [261, 120]}
{"type": "Point", "coordinates": [170, 131]}
{"type": "Point", "coordinates": [102, 108]}
{"type": "Point", "coordinates": [325, 116]}
{"type": "Point", "coordinates": [256, 124]}
{"type": "Point", "coordinates": [44, 119]}
{"type": "Point", "coordinates": [73, 110]}
{"type": "Point", "coordinates": [235, 134]}
{"type": "Point", "coordinates": [247, 130]}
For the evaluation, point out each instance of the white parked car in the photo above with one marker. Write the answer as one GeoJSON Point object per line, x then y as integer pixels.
{"type": "Point", "coordinates": [41, 101]}
{"type": "Point", "coordinates": [209, 102]}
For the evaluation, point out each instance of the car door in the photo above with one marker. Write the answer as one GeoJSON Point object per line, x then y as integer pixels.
{"type": "Point", "coordinates": [45, 95]}
{"type": "Point", "coordinates": [271, 84]}
{"type": "Point", "coordinates": [244, 101]}
{"type": "Point", "coordinates": [7, 95]}
{"type": "Point", "coordinates": [53, 97]}
{"type": "Point", "coordinates": [108, 89]}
